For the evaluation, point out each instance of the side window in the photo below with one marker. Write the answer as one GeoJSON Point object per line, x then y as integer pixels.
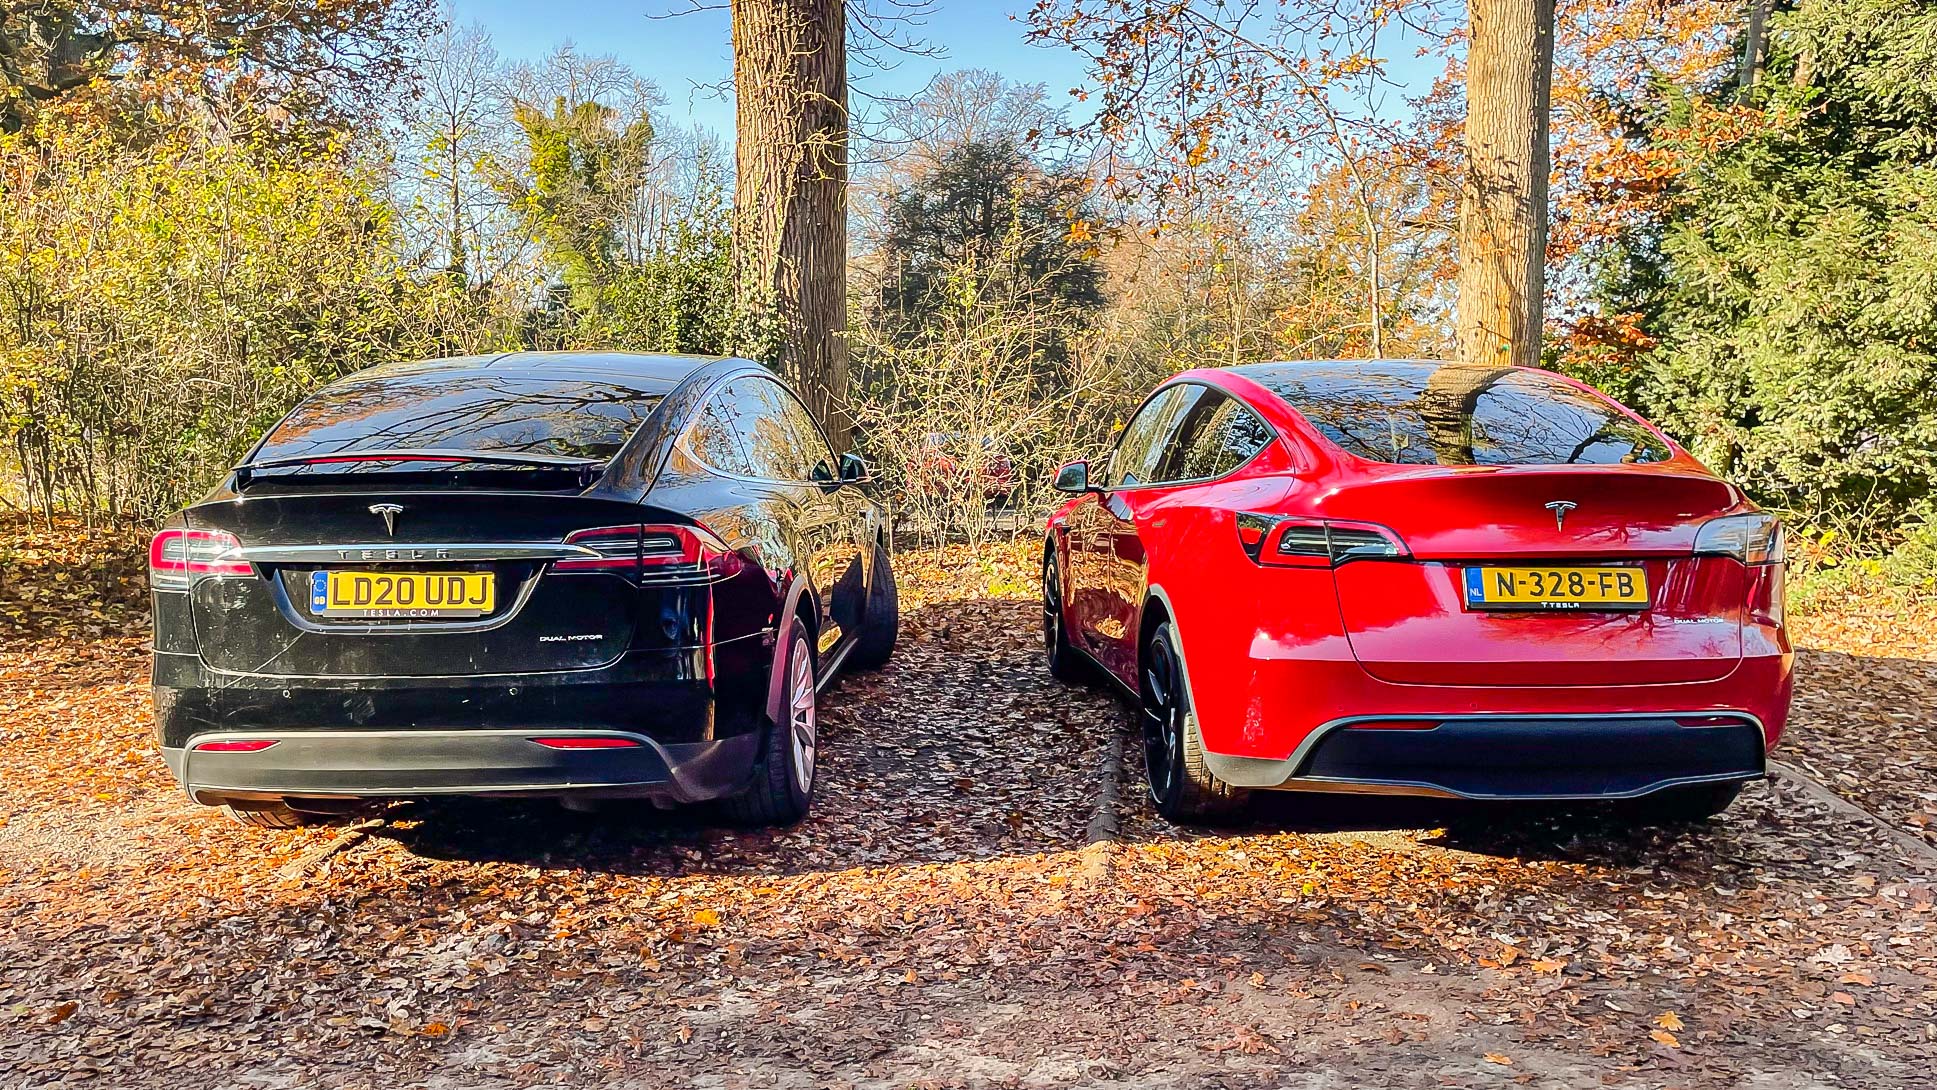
{"type": "Point", "coordinates": [807, 434]}
{"type": "Point", "coordinates": [1144, 440]}
{"type": "Point", "coordinates": [1218, 435]}
{"type": "Point", "coordinates": [772, 447]}
{"type": "Point", "coordinates": [712, 439]}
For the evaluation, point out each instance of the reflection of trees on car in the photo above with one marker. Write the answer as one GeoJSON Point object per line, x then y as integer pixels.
{"type": "Point", "coordinates": [1405, 412]}
{"type": "Point", "coordinates": [392, 409]}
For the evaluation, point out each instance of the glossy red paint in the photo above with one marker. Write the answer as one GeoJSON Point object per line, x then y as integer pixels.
{"type": "Point", "coordinates": [1273, 653]}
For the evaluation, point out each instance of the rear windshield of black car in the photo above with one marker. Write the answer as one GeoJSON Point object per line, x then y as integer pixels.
{"type": "Point", "coordinates": [495, 413]}
{"type": "Point", "coordinates": [1412, 413]}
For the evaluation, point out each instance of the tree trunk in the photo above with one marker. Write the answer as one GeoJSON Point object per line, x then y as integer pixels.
{"type": "Point", "coordinates": [1503, 203]}
{"type": "Point", "coordinates": [1375, 287]}
{"type": "Point", "coordinates": [790, 203]}
{"type": "Point", "coordinates": [1755, 44]}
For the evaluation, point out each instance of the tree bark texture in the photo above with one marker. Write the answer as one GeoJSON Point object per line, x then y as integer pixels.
{"type": "Point", "coordinates": [1503, 200]}
{"type": "Point", "coordinates": [790, 201]}
{"type": "Point", "coordinates": [1755, 45]}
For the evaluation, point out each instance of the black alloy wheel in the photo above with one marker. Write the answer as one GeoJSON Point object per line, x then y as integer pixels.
{"type": "Point", "coordinates": [1161, 700]}
{"type": "Point", "coordinates": [783, 783]}
{"type": "Point", "coordinates": [1182, 785]}
{"type": "Point", "coordinates": [1064, 664]}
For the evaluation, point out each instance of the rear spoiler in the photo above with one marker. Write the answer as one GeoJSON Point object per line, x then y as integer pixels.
{"type": "Point", "coordinates": [588, 468]}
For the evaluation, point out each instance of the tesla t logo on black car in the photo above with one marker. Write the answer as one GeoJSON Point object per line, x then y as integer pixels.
{"type": "Point", "coordinates": [1558, 507]}
{"type": "Point", "coordinates": [390, 511]}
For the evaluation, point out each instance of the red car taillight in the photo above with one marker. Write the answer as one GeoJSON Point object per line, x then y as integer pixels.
{"type": "Point", "coordinates": [177, 557]}
{"type": "Point", "coordinates": [1752, 539]}
{"type": "Point", "coordinates": [1315, 543]}
{"type": "Point", "coordinates": [1757, 541]}
{"type": "Point", "coordinates": [654, 550]}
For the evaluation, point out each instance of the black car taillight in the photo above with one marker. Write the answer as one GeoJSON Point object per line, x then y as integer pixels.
{"type": "Point", "coordinates": [670, 551]}
{"type": "Point", "coordinates": [178, 557]}
{"type": "Point", "coordinates": [1283, 541]}
{"type": "Point", "coordinates": [619, 549]}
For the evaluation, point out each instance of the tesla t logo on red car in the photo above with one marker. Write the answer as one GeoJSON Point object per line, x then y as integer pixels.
{"type": "Point", "coordinates": [1558, 507]}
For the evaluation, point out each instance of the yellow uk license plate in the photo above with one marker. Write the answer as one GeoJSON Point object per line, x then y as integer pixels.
{"type": "Point", "coordinates": [1601, 587]}
{"type": "Point", "coordinates": [402, 593]}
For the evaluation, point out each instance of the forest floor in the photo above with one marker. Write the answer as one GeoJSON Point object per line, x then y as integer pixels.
{"type": "Point", "coordinates": [937, 920]}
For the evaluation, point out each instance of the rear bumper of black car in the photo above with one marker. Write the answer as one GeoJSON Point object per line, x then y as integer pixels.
{"type": "Point", "coordinates": [409, 763]}
{"type": "Point", "coordinates": [1531, 757]}
{"type": "Point", "coordinates": [692, 722]}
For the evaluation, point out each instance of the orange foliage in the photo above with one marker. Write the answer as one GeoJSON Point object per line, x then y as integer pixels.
{"type": "Point", "coordinates": [1611, 59]}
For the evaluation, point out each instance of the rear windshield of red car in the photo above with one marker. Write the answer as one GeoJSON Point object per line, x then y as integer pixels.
{"type": "Point", "coordinates": [1422, 413]}
{"type": "Point", "coordinates": [466, 411]}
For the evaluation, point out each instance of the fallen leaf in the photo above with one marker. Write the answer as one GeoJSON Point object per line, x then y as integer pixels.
{"type": "Point", "coordinates": [1669, 1020]}
{"type": "Point", "coordinates": [1662, 1036]}
{"type": "Point", "coordinates": [1835, 954]}
{"type": "Point", "coordinates": [1499, 1058]}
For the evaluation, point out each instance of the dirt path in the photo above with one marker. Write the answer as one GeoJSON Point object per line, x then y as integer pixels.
{"type": "Point", "coordinates": [933, 924]}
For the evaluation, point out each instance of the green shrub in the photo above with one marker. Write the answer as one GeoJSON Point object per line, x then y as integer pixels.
{"type": "Point", "coordinates": [161, 306]}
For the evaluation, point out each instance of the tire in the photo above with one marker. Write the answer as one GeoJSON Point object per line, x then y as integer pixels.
{"type": "Point", "coordinates": [272, 815]}
{"type": "Point", "coordinates": [783, 781]}
{"type": "Point", "coordinates": [880, 617]}
{"type": "Point", "coordinates": [1181, 784]}
{"type": "Point", "coordinates": [1697, 802]}
{"type": "Point", "coordinates": [1065, 663]}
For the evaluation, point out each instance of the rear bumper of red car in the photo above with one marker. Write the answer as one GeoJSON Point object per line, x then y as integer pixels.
{"type": "Point", "coordinates": [1320, 725]}
{"type": "Point", "coordinates": [1510, 757]}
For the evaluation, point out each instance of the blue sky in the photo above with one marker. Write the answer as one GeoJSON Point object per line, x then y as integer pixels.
{"type": "Point", "coordinates": [690, 55]}
{"type": "Point", "coordinates": [694, 49]}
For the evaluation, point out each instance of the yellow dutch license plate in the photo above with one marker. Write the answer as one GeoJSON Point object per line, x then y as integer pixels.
{"type": "Point", "coordinates": [402, 594]}
{"type": "Point", "coordinates": [1602, 587]}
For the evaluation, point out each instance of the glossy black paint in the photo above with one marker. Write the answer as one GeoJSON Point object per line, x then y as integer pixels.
{"type": "Point", "coordinates": [685, 664]}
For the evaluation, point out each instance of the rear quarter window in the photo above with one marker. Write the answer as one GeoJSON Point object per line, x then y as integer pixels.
{"type": "Point", "coordinates": [573, 418]}
{"type": "Point", "coordinates": [1219, 435]}
{"type": "Point", "coordinates": [1428, 414]}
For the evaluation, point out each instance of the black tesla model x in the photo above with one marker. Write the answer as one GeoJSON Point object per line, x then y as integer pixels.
{"type": "Point", "coordinates": [582, 575]}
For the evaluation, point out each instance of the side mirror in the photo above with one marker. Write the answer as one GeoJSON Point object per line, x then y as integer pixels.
{"type": "Point", "coordinates": [1074, 478]}
{"type": "Point", "coordinates": [854, 469]}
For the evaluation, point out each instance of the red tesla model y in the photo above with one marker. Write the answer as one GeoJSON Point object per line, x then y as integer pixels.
{"type": "Point", "coordinates": [1410, 577]}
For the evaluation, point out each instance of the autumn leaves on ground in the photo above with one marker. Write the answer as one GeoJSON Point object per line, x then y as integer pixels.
{"type": "Point", "coordinates": [937, 922]}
